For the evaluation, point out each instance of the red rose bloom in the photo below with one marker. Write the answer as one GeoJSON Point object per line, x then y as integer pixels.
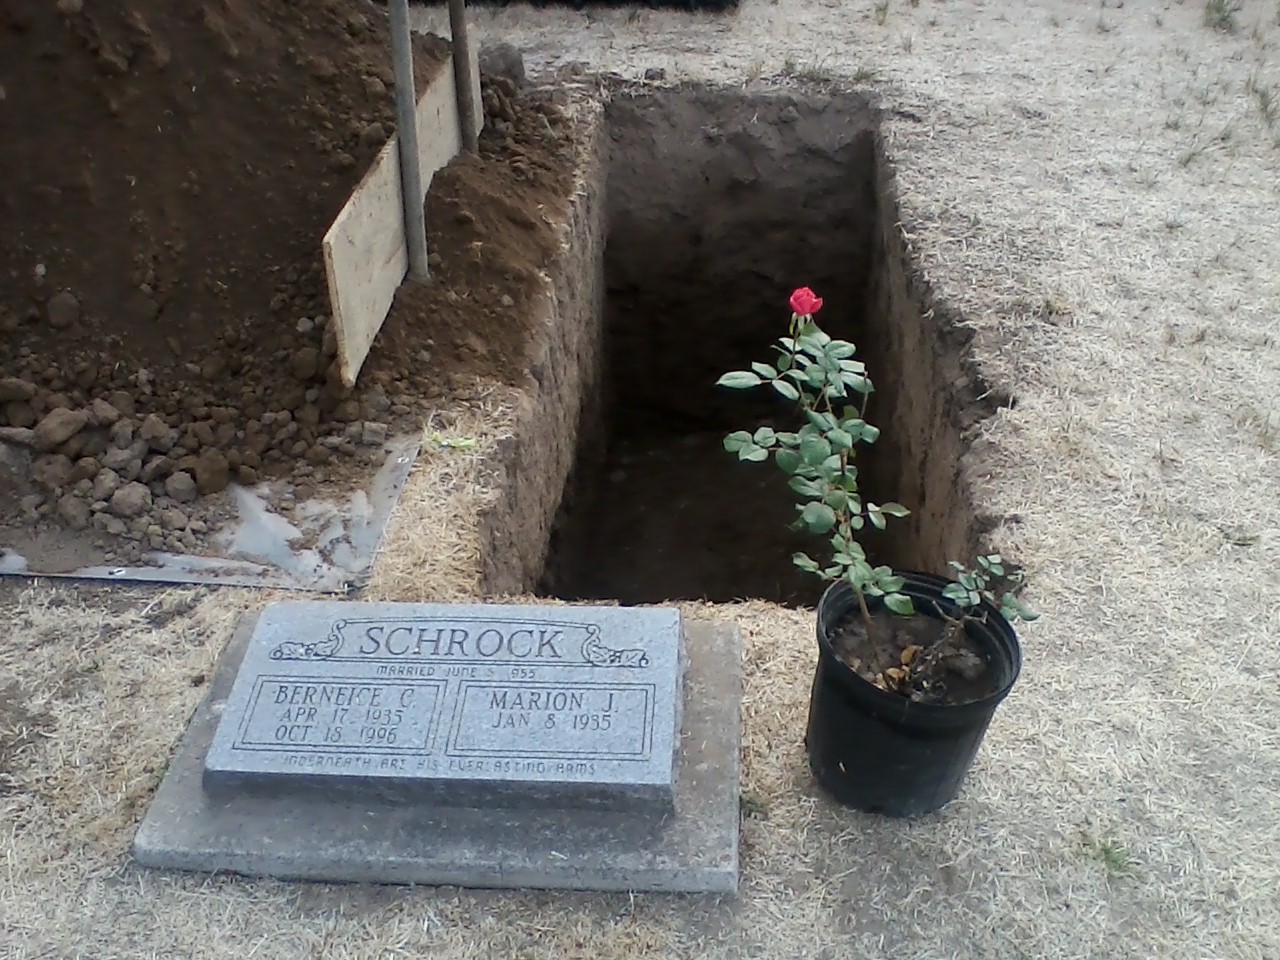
{"type": "Point", "coordinates": [805, 302]}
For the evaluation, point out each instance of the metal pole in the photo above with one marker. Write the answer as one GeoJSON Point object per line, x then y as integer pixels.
{"type": "Point", "coordinates": [463, 58]}
{"type": "Point", "coordinates": [415, 224]}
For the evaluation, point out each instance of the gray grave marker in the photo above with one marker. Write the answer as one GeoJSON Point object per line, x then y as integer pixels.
{"type": "Point", "coordinates": [434, 777]}
{"type": "Point", "coordinates": [468, 706]}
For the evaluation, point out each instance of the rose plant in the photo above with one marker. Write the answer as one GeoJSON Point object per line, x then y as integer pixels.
{"type": "Point", "coordinates": [831, 388]}
{"type": "Point", "coordinates": [895, 735]}
{"type": "Point", "coordinates": [970, 587]}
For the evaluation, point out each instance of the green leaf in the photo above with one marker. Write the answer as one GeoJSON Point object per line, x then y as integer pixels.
{"type": "Point", "coordinates": [764, 370]}
{"type": "Point", "coordinates": [819, 517]}
{"type": "Point", "coordinates": [821, 419]}
{"type": "Point", "coordinates": [808, 430]}
{"type": "Point", "coordinates": [815, 376]}
{"type": "Point", "coordinates": [805, 562]}
{"type": "Point", "coordinates": [860, 575]}
{"type": "Point", "coordinates": [736, 440]}
{"type": "Point", "coordinates": [765, 437]}
{"type": "Point", "coordinates": [847, 545]}
{"type": "Point", "coordinates": [953, 591]}
{"type": "Point", "coordinates": [894, 583]}
{"type": "Point", "coordinates": [739, 380]}
{"type": "Point", "coordinates": [837, 500]}
{"type": "Point", "coordinates": [753, 453]}
{"type": "Point", "coordinates": [831, 470]}
{"type": "Point", "coordinates": [840, 349]}
{"type": "Point", "coordinates": [870, 434]}
{"type": "Point", "coordinates": [875, 516]}
{"type": "Point", "coordinates": [900, 604]}
{"type": "Point", "coordinates": [814, 450]}
{"type": "Point", "coordinates": [1025, 612]}
{"type": "Point", "coordinates": [853, 427]}
{"type": "Point", "coordinates": [894, 509]}
{"type": "Point", "coordinates": [788, 460]}
{"type": "Point", "coordinates": [809, 343]}
{"type": "Point", "coordinates": [840, 439]}
{"type": "Point", "coordinates": [786, 389]}
{"type": "Point", "coordinates": [806, 487]}
{"type": "Point", "coordinates": [856, 382]}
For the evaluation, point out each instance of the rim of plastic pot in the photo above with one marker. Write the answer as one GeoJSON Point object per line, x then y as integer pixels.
{"type": "Point", "coordinates": [996, 637]}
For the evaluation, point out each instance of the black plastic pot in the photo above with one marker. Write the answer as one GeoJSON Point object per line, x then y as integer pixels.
{"type": "Point", "coordinates": [880, 752]}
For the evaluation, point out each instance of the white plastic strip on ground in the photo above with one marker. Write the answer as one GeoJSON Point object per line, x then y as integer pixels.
{"type": "Point", "coordinates": [327, 546]}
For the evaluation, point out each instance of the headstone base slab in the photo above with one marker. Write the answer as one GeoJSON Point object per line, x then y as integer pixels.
{"type": "Point", "coordinates": [332, 839]}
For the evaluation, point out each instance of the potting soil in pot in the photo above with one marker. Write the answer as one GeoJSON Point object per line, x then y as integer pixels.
{"type": "Point", "coordinates": [908, 650]}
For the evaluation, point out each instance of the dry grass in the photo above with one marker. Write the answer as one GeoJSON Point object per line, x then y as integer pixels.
{"type": "Point", "coordinates": [432, 548]}
{"type": "Point", "coordinates": [1127, 800]}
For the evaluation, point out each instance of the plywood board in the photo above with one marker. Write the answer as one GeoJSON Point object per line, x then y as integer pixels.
{"type": "Point", "coordinates": [364, 250]}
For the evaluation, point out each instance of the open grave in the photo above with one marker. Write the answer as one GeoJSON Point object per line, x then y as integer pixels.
{"type": "Point", "coordinates": [718, 205]}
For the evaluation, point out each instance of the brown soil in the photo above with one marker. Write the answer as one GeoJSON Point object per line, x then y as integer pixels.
{"type": "Point", "coordinates": [914, 656]}
{"type": "Point", "coordinates": [169, 175]}
{"type": "Point", "coordinates": [491, 222]}
{"type": "Point", "coordinates": [672, 516]}
{"type": "Point", "coordinates": [174, 166]}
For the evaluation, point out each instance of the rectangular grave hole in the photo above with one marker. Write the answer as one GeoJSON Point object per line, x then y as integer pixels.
{"type": "Point", "coordinates": [719, 204]}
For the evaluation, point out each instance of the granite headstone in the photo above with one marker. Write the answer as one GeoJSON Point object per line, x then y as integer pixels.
{"type": "Point", "coordinates": [301, 796]}
{"type": "Point", "coordinates": [458, 705]}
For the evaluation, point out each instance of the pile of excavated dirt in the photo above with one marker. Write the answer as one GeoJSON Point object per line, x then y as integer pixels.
{"type": "Point", "coordinates": [169, 174]}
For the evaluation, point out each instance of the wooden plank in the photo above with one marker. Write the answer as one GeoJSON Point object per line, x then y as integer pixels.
{"type": "Point", "coordinates": [364, 250]}
{"type": "Point", "coordinates": [477, 105]}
